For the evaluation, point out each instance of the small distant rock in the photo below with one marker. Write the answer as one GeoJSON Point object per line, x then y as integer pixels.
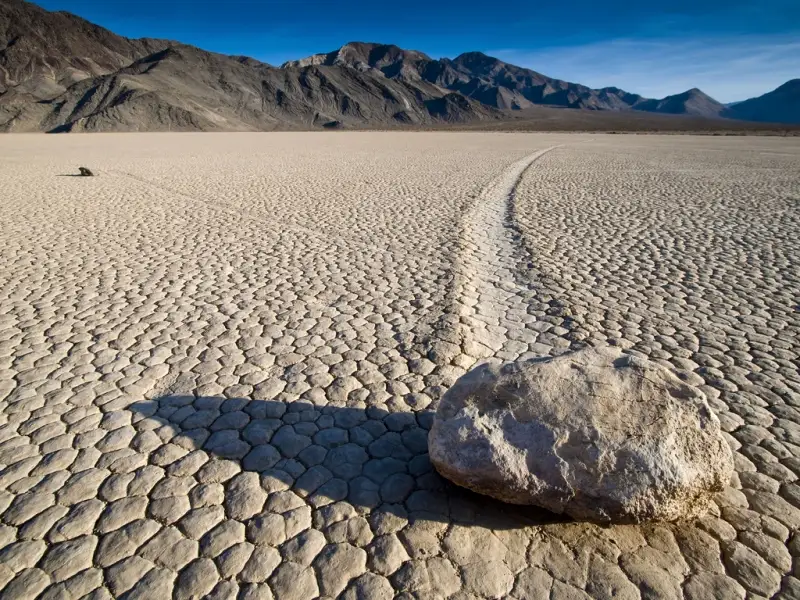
{"type": "Point", "coordinates": [596, 434]}
{"type": "Point", "coordinates": [85, 172]}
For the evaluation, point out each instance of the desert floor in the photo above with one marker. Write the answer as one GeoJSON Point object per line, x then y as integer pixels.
{"type": "Point", "coordinates": [219, 357]}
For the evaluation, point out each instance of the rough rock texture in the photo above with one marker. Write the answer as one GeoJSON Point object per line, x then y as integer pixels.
{"type": "Point", "coordinates": [595, 434]}
{"type": "Point", "coordinates": [60, 73]}
{"type": "Point", "coordinates": [42, 53]}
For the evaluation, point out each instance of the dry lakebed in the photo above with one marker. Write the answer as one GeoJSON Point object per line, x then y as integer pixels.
{"type": "Point", "coordinates": [220, 357]}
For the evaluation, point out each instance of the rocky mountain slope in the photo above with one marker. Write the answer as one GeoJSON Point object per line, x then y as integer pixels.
{"type": "Point", "coordinates": [74, 76]}
{"type": "Point", "coordinates": [781, 105]}
{"type": "Point", "coordinates": [501, 85]}
{"type": "Point", "coordinates": [692, 102]}
{"type": "Point", "coordinates": [183, 88]}
{"type": "Point", "coordinates": [42, 53]}
{"type": "Point", "coordinates": [59, 72]}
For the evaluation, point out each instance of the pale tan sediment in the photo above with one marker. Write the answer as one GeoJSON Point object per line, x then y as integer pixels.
{"type": "Point", "coordinates": [218, 356]}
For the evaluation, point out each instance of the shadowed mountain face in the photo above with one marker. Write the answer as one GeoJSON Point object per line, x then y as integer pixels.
{"type": "Point", "coordinates": [59, 72]}
{"type": "Point", "coordinates": [473, 74]}
{"type": "Point", "coordinates": [183, 88]}
{"type": "Point", "coordinates": [781, 105]}
{"type": "Point", "coordinates": [42, 53]}
{"type": "Point", "coordinates": [501, 85]}
{"type": "Point", "coordinates": [692, 102]}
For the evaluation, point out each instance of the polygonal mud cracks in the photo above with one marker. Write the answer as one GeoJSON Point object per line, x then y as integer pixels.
{"type": "Point", "coordinates": [162, 324]}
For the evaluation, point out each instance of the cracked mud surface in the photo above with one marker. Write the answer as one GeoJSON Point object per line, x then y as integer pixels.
{"type": "Point", "coordinates": [219, 358]}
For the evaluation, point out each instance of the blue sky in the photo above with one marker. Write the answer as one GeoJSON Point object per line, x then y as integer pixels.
{"type": "Point", "coordinates": [731, 49]}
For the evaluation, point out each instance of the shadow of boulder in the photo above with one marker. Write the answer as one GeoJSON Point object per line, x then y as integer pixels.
{"type": "Point", "coordinates": [372, 459]}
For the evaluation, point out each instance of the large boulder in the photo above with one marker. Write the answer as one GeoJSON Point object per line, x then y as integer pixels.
{"type": "Point", "coordinates": [596, 434]}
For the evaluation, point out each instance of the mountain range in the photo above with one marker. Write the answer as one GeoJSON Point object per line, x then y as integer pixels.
{"type": "Point", "coordinates": [60, 73]}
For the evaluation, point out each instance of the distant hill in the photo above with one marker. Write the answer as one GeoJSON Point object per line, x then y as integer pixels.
{"type": "Point", "coordinates": [781, 105]}
{"type": "Point", "coordinates": [498, 84]}
{"type": "Point", "coordinates": [60, 73]}
{"type": "Point", "coordinates": [692, 102]}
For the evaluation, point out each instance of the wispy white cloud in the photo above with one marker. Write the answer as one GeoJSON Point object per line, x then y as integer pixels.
{"type": "Point", "coordinates": [726, 68]}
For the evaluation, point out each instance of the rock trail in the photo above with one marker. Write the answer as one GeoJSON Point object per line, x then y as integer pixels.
{"type": "Point", "coordinates": [493, 294]}
{"type": "Point", "coordinates": [220, 384]}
